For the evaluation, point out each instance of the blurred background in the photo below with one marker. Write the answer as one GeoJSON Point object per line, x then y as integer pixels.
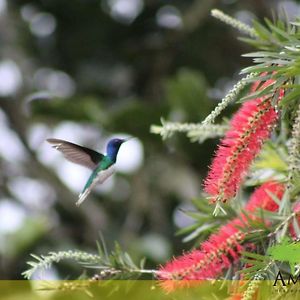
{"type": "Point", "coordinates": [89, 70]}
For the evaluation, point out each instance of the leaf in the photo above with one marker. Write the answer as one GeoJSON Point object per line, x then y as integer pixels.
{"type": "Point", "coordinates": [296, 227]}
{"type": "Point", "coordinates": [264, 67]}
{"type": "Point", "coordinates": [38, 258]}
{"type": "Point", "coordinates": [257, 236]}
{"type": "Point", "coordinates": [142, 263]}
{"type": "Point", "coordinates": [274, 198]}
{"type": "Point", "coordinates": [257, 257]}
{"type": "Point", "coordinates": [128, 260]}
{"type": "Point", "coordinates": [261, 30]}
{"type": "Point", "coordinates": [262, 54]}
{"type": "Point", "coordinates": [201, 205]}
{"type": "Point", "coordinates": [255, 43]}
{"type": "Point", "coordinates": [198, 231]}
{"type": "Point", "coordinates": [260, 77]}
{"type": "Point", "coordinates": [290, 97]}
{"type": "Point", "coordinates": [270, 158]}
{"type": "Point", "coordinates": [259, 93]}
{"type": "Point", "coordinates": [188, 229]}
{"type": "Point", "coordinates": [256, 267]}
{"type": "Point", "coordinates": [101, 246]}
{"type": "Point", "coordinates": [281, 32]}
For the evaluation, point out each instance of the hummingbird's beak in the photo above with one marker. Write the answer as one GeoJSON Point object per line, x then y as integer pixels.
{"type": "Point", "coordinates": [131, 138]}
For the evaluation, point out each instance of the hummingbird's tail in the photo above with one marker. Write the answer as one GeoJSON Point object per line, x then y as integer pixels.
{"type": "Point", "coordinates": [95, 178]}
{"type": "Point", "coordinates": [83, 196]}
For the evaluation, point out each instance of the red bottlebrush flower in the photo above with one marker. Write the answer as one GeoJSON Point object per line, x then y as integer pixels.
{"type": "Point", "coordinates": [250, 127]}
{"type": "Point", "coordinates": [221, 250]}
{"type": "Point", "coordinates": [261, 197]}
{"type": "Point", "coordinates": [216, 254]}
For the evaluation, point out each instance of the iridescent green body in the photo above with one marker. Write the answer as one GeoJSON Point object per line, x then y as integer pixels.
{"type": "Point", "coordinates": [103, 165]}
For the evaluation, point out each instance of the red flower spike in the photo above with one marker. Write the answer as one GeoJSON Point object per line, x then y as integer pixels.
{"type": "Point", "coordinates": [216, 254]}
{"type": "Point", "coordinates": [250, 127]}
{"type": "Point", "coordinates": [221, 250]}
{"type": "Point", "coordinates": [262, 197]}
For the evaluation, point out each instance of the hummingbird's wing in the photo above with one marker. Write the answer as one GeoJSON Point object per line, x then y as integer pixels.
{"type": "Point", "coordinates": [97, 177]}
{"type": "Point", "coordinates": [77, 154]}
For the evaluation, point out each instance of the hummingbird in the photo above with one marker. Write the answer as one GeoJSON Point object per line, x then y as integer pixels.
{"type": "Point", "coordinates": [102, 166]}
